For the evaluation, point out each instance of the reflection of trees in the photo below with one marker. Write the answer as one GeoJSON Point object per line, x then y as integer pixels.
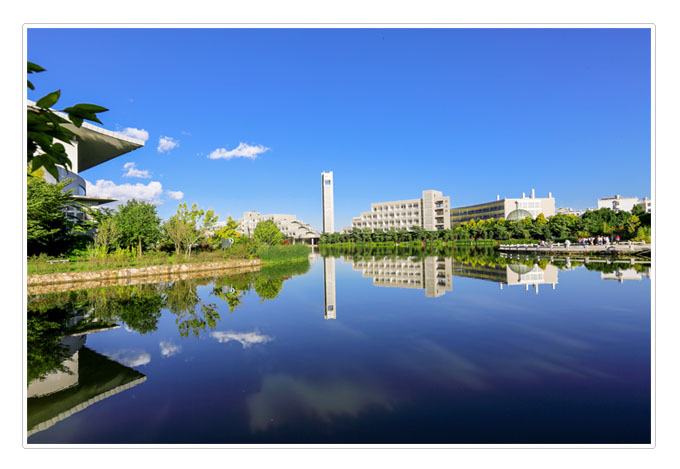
{"type": "Point", "coordinates": [268, 288]}
{"type": "Point", "coordinates": [182, 300]}
{"type": "Point", "coordinates": [231, 288]}
{"type": "Point", "coordinates": [269, 280]}
{"type": "Point", "coordinates": [45, 352]}
{"type": "Point", "coordinates": [139, 306]}
{"type": "Point", "coordinates": [267, 283]}
{"type": "Point", "coordinates": [49, 320]}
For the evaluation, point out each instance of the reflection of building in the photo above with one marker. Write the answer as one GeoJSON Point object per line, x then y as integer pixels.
{"type": "Point", "coordinates": [509, 209]}
{"type": "Point", "coordinates": [62, 379]}
{"type": "Point", "coordinates": [617, 203]}
{"type": "Point", "coordinates": [432, 273]}
{"type": "Point", "coordinates": [430, 213]}
{"type": "Point", "coordinates": [511, 274]}
{"type": "Point", "coordinates": [622, 275]}
{"type": "Point", "coordinates": [521, 274]}
{"type": "Point", "coordinates": [90, 378]}
{"type": "Point", "coordinates": [329, 287]}
{"type": "Point", "coordinates": [92, 146]}
{"type": "Point", "coordinates": [327, 202]}
{"type": "Point", "coordinates": [289, 225]}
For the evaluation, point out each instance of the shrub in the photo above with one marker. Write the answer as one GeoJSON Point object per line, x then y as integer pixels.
{"type": "Point", "coordinates": [283, 252]}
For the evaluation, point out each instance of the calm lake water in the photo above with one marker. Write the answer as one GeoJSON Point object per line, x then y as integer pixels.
{"type": "Point", "coordinates": [349, 349]}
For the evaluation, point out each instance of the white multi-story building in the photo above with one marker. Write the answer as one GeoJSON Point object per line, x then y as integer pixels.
{"type": "Point", "coordinates": [646, 204]}
{"type": "Point", "coordinates": [432, 212]}
{"type": "Point", "coordinates": [618, 203]}
{"type": "Point", "coordinates": [289, 225]}
{"type": "Point", "coordinates": [509, 209]}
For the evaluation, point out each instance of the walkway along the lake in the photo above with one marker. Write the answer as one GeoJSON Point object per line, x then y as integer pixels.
{"type": "Point", "coordinates": [64, 281]}
{"type": "Point", "coordinates": [621, 248]}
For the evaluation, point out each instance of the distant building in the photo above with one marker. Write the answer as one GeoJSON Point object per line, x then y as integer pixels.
{"type": "Point", "coordinates": [327, 202]}
{"type": "Point", "coordinates": [289, 225]}
{"type": "Point", "coordinates": [570, 211]}
{"type": "Point", "coordinates": [509, 209]}
{"type": "Point", "coordinates": [618, 203]}
{"type": "Point", "coordinates": [432, 212]}
{"type": "Point", "coordinates": [646, 204]}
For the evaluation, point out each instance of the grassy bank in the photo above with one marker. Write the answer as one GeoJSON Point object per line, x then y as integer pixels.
{"type": "Point", "coordinates": [283, 253]}
{"type": "Point", "coordinates": [125, 259]}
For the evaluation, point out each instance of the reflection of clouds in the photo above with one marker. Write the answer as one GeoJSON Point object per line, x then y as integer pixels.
{"type": "Point", "coordinates": [431, 361]}
{"type": "Point", "coordinates": [283, 397]}
{"type": "Point", "coordinates": [246, 339]}
{"type": "Point", "coordinates": [559, 339]}
{"type": "Point", "coordinates": [168, 349]}
{"type": "Point", "coordinates": [130, 357]}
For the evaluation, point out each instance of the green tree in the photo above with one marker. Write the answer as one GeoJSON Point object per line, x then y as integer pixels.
{"type": "Point", "coordinates": [194, 225]}
{"type": "Point", "coordinates": [230, 230]}
{"type": "Point", "coordinates": [47, 131]}
{"type": "Point", "coordinates": [632, 225]}
{"type": "Point", "coordinates": [267, 234]}
{"type": "Point", "coordinates": [175, 230]}
{"type": "Point", "coordinates": [48, 228]}
{"type": "Point", "coordinates": [138, 225]}
{"type": "Point", "coordinates": [106, 236]}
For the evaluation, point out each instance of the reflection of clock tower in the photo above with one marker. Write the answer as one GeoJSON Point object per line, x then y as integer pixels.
{"type": "Point", "coordinates": [329, 287]}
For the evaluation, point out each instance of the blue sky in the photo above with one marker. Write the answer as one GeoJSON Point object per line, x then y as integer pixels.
{"type": "Point", "coordinates": [470, 112]}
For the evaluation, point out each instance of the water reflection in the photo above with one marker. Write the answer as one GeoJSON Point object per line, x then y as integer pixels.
{"type": "Point", "coordinates": [64, 376]}
{"type": "Point", "coordinates": [329, 287]}
{"type": "Point", "coordinates": [284, 398]}
{"type": "Point", "coordinates": [390, 370]}
{"type": "Point", "coordinates": [621, 275]}
{"type": "Point", "coordinates": [434, 274]}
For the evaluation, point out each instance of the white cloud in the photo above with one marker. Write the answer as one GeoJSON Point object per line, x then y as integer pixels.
{"type": "Point", "coordinates": [177, 195]}
{"type": "Point", "coordinates": [130, 357]}
{"type": "Point", "coordinates": [140, 134]}
{"type": "Point", "coordinates": [246, 339]}
{"type": "Point", "coordinates": [243, 150]}
{"type": "Point", "coordinates": [150, 192]}
{"type": "Point", "coordinates": [165, 144]}
{"type": "Point", "coordinates": [168, 349]}
{"type": "Point", "coordinates": [133, 172]}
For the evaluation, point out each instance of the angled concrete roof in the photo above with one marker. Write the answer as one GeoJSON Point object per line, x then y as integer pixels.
{"type": "Point", "coordinates": [97, 145]}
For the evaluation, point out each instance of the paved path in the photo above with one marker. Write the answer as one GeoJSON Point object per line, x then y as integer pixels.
{"type": "Point", "coordinates": [579, 249]}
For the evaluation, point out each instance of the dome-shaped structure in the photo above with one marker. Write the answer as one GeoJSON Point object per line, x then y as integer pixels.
{"type": "Point", "coordinates": [518, 214]}
{"type": "Point", "coordinates": [520, 269]}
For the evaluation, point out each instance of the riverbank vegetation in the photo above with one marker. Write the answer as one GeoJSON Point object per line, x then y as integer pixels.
{"type": "Point", "coordinates": [65, 236]}
{"type": "Point", "coordinates": [635, 226]}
